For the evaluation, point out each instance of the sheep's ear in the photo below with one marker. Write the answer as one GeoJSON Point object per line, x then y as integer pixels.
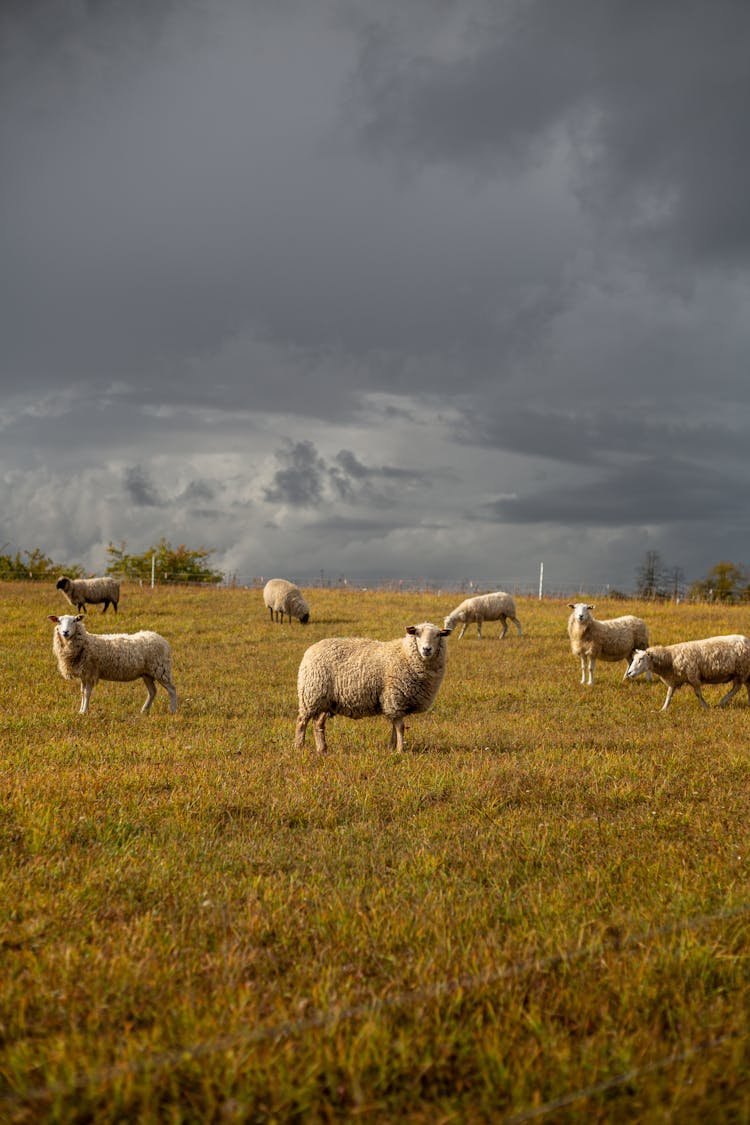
{"type": "Point", "coordinates": [411, 629]}
{"type": "Point", "coordinates": [591, 607]}
{"type": "Point", "coordinates": [79, 617]}
{"type": "Point", "coordinates": [571, 605]}
{"type": "Point", "coordinates": [53, 618]}
{"type": "Point", "coordinates": [445, 632]}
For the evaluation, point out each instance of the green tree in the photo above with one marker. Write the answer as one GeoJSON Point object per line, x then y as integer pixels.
{"type": "Point", "coordinates": [36, 567]}
{"type": "Point", "coordinates": [724, 582]}
{"type": "Point", "coordinates": [171, 564]}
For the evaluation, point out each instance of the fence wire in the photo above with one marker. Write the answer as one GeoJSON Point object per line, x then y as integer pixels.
{"type": "Point", "coordinates": [463, 983]}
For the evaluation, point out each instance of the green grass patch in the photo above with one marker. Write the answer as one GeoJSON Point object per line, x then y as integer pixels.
{"type": "Point", "coordinates": [541, 907]}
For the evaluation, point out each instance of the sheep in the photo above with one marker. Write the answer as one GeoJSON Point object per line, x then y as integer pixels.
{"type": "Point", "coordinates": [615, 639]}
{"type": "Point", "coordinates": [485, 607]}
{"type": "Point", "coordinates": [80, 591]}
{"type": "Point", "coordinates": [713, 660]}
{"type": "Point", "coordinates": [284, 597]}
{"type": "Point", "coordinates": [359, 677]}
{"type": "Point", "coordinates": [92, 657]}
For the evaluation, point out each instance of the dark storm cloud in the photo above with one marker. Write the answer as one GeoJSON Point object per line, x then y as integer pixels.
{"type": "Point", "coordinates": [372, 266]}
{"type": "Point", "coordinates": [301, 482]}
{"type": "Point", "coordinates": [660, 491]}
{"type": "Point", "coordinates": [587, 435]}
{"type": "Point", "coordinates": [360, 483]}
{"type": "Point", "coordinates": [645, 94]}
{"type": "Point", "coordinates": [308, 479]}
{"type": "Point", "coordinates": [198, 492]}
{"type": "Point", "coordinates": [140, 488]}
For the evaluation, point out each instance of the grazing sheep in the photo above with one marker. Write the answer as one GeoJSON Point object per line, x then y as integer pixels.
{"type": "Point", "coordinates": [90, 657]}
{"type": "Point", "coordinates": [615, 639]}
{"type": "Point", "coordinates": [485, 607]}
{"type": "Point", "coordinates": [358, 677]}
{"type": "Point", "coordinates": [714, 660]}
{"type": "Point", "coordinates": [80, 591]}
{"type": "Point", "coordinates": [284, 597]}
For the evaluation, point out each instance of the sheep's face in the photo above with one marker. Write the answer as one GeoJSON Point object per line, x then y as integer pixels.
{"type": "Point", "coordinates": [581, 611]}
{"type": "Point", "coordinates": [639, 663]}
{"type": "Point", "coordinates": [450, 623]}
{"type": "Point", "coordinates": [428, 637]}
{"type": "Point", "coordinates": [62, 583]}
{"type": "Point", "coordinates": [67, 625]}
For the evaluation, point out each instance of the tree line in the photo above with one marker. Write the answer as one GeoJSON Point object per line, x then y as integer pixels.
{"type": "Point", "coordinates": [167, 563]}
{"type": "Point", "coordinates": [724, 582]}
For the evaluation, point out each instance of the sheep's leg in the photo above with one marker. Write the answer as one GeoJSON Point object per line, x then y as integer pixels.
{"type": "Point", "coordinates": [397, 735]}
{"type": "Point", "coordinates": [463, 630]}
{"type": "Point", "coordinates": [479, 629]}
{"type": "Point", "coordinates": [270, 610]}
{"type": "Point", "coordinates": [319, 730]}
{"type": "Point", "coordinates": [592, 662]}
{"type": "Point", "coordinates": [86, 690]}
{"type": "Point", "coordinates": [505, 627]}
{"type": "Point", "coordinates": [151, 689]}
{"type": "Point", "coordinates": [731, 693]}
{"type": "Point", "coordinates": [583, 669]}
{"type": "Point", "coordinates": [697, 689]}
{"type": "Point", "coordinates": [668, 700]}
{"type": "Point", "coordinates": [300, 731]}
{"type": "Point", "coordinates": [169, 687]}
{"type": "Point", "coordinates": [517, 624]}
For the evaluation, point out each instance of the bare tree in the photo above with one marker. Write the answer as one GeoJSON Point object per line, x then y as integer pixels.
{"type": "Point", "coordinates": [650, 576]}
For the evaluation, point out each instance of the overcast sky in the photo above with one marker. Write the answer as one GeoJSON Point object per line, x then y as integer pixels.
{"type": "Point", "coordinates": [427, 291]}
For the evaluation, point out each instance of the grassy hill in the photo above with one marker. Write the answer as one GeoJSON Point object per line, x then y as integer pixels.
{"type": "Point", "coordinates": [540, 910]}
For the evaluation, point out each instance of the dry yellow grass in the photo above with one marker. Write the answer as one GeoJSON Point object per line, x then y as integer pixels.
{"type": "Point", "coordinates": [541, 909]}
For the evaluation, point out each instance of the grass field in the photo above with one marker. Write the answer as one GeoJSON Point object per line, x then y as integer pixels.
{"type": "Point", "coordinates": [540, 910]}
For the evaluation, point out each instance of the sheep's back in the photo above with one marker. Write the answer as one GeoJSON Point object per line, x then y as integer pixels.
{"type": "Point", "coordinates": [275, 591]}
{"type": "Point", "coordinates": [611, 639]}
{"type": "Point", "coordinates": [126, 656]}
{"type": "Point", "coordinates": [488, 607]}
{"type": "Point", "coordinates": [94, 590]}
{"type": "Point", "coordinates": [343, 675]}
{"type": "Point", "coordinates": [713, 659]}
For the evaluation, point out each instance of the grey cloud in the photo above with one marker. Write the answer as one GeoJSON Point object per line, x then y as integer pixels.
{"type": "Point", "coordinates": [357, 482]}
{"type": "Point", "coordinates": [660, 490]}
{"type": "Point", "coordinates": [309, 480]}
{"type": "Point", "coordinates": [275, 268]}
{"type": "Point", "coordinates": [643, 94]}
{"type": "Point", "coordinates": [141, 489]}
{"type": "Point", "coordinates": [301, 482]}
{"type": "Point", "coordinates": [589, 435]}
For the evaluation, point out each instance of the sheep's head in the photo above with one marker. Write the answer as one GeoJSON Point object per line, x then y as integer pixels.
{"type": "Point", "coordinates": [640, 663]}
{"type": "Point", "coordinates": [304, 619]}
{"type": "Point", "coordinates": [581, 611]}
{"type": "Point", "coordinates": [62, 583]}
{"type": "Point", "coordinates": [67, 624]}
{"type": "Point", "coordinates": [428, 638]}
